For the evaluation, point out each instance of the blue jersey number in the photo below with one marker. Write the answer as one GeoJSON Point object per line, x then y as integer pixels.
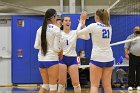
{"type": "Point", "coordinates": [105, 33]}
{"type": "Point", "coordinates": [67, 42]}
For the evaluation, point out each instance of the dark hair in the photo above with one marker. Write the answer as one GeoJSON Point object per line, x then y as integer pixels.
{"type": "Point", "coordinates": [48, 15]}
{"type": "Point", "coordinates": [103, 15]}
{"type": "Point", "coordinates": [62, 19]}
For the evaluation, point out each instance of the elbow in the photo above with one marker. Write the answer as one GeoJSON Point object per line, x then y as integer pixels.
{"type": "Point", "coordinates": [36, 47]}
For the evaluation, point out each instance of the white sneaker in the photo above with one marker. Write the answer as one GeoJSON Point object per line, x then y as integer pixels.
{"type": "Point", "coordinates": [138, 88]}
{"type": "Point", "coordinates": [130, 88]}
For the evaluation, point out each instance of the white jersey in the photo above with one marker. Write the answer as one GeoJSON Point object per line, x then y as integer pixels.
{"type": "Point", "coordinates": [68, 41]}
{"type": "Point", "coordinates": [53, 43]}
{"type": "Point", "coordinates": [101, 37]}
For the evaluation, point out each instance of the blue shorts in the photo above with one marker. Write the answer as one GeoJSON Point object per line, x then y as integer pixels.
{"type": "Point", "coordinates": [102, 64]}
{"type": "Point", "coordinates": [68, 61]}
{"type": "Point", "coordinates": [47, 64]}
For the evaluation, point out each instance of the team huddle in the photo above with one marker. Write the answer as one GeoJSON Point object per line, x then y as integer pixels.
{"type": "Point", "coordinates": [57, 52]}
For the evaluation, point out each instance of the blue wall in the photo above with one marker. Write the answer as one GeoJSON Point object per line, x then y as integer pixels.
{"type": "Point", "coordinates": [25, 69]}
{"type": "Point", "coordinates": [122, 27]}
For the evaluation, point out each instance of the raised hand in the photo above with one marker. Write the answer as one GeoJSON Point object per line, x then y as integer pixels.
{"type": "Point", "coordinates": [83, 17]}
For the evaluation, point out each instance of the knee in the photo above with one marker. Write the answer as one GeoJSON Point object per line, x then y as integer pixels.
{"type": "Point", "coordinates": [95, 84]}
{"type": "Point", "coordinates": [95, 88]}
{"type": "Point", "coordinates": [77, 88]}
{"type": "Point", "coordinates": [61, 88]}
{"type": "Point", "coordinates": [107, 85]}
{"type": "Point", "coordinates": [75, 83]}
{"type": "Point", "coordinates": [62, 82]}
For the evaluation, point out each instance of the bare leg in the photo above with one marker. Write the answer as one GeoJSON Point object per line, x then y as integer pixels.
{"type": "Point", "coordinates": [74, 74]}
{"type": "Point", "coordinates": [62, 77]}
{"type": "Point", "coordinates": [95, 77]}
{"type": "Point", "coordinates": [106, 79]}
{"type": "Point", "coordinates": [45, 78]}
{"type": "Point", "coordinates": [53, 72]}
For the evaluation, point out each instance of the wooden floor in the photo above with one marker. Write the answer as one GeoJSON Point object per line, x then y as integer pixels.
{"type": "Point", "coordinates": [35, 90]}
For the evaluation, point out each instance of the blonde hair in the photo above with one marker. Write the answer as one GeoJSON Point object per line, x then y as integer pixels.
{"type": "Point", "coordinates": [104, 16]}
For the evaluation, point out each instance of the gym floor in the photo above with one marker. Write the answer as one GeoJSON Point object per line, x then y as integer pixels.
{"type": "Point", "coordinates": [35, 90]}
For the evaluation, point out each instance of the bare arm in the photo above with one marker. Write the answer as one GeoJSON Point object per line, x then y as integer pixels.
{"type": "Point", "coordinates": [126, 53]}
{"type": "Point", "coordinates": [127, 47]}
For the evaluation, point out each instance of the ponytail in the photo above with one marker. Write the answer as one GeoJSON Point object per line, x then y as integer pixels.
{"type": "Point", "coordinates": [48, 15]}
{"type": "Point", "coordinates": [43, 37]}
{"type": "Point", "coordinates": [104, 16]}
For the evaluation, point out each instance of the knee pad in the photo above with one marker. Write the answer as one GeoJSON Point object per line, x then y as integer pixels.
{"type": "Point", "coordinates": [77, 88]}
{"type": "Point", "coordinates": [61, 88]}
{"type": "Point", "coordinates": [45, 86]}
{"type": "Point", "coordinates": [53, 87]}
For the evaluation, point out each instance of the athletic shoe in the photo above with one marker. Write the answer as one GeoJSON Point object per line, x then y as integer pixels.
{"type": "Point", "coordinates": [130, 88]}
{"type": "Point", "coordinates": [138, 88]}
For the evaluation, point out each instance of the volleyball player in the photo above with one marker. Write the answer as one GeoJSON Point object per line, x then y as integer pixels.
{"type": "Point", "coordinates": [69, 61]}
{"type": "Point", "coordinates": [47, 42]}
{"type": "Point", "coordinates": [102, 60]}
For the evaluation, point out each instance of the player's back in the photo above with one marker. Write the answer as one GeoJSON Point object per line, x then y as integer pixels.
{"type": "Point", "coordinates": [51, 32]}
{"type": "Point", "coordinates": [101, 37]}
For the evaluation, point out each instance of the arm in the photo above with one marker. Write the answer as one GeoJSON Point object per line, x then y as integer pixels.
{"type": "Point", "coordinates": [85, 36]}
{"type": "Point", "coordinates": [56, 46]}
{"type": "Point", "coordinates": [81, 24]}
{"type": "Point", "coordinates": [126, 48]}
{"type": "Point", "coordinates": [85, 30]}
{"type": "Point", "coordinates": [126, 53]}
{"type": "Point", "coordinates": [37, 44]}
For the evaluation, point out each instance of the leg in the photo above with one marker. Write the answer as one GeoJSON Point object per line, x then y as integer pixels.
{"type": "Point", "coordinates": [74, 74]}
{"type": "Point", "coordinates": [132, 69]}
{"type": "Point", "coordinates": [45, 78]}
{"type": "Point", "coordinates": [137, 72]}
{"type": "Point", "coordinates": [95, 77]}
{"type": "Point", "coordinates": [53, 72]}
{"type": "Point", "coordinates": [106, 79]}
{"type": "Point", "coordinates": [62, 78]}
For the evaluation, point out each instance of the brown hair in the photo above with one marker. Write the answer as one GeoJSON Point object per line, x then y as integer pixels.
{"type": "Point", "coordinates": [49, 13]}
{"type": "Point", "coordinates": [62, 21]}
{"type": "Point", "coordinates": [103, 15]}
